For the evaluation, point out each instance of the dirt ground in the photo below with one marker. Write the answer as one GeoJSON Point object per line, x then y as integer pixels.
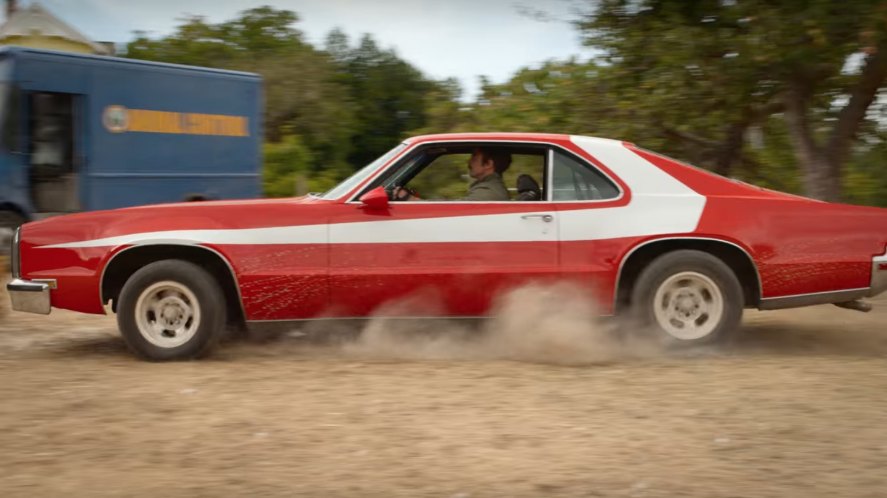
{"type": "Point", "coordinates": [795, 407]}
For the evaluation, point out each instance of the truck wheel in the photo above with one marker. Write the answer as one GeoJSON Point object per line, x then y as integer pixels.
{"type": "Point", "coordinates": [9, 221]}
{"type": "Point", "coordinates": [171, 310]}
{"type": "Point", "coordinates": [688, 298]}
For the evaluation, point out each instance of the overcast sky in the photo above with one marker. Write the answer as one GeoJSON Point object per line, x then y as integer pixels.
{"type": "Point", "coordinates": [443, 38]}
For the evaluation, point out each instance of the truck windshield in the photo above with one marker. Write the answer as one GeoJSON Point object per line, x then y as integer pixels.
{"type": "Point", "coordinates": [361, 175]}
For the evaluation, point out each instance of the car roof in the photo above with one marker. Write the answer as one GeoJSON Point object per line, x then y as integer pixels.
{"type": "Point", "coordinates": [489, 136]}
{"type": "Point", "coordinates": [509, 136]}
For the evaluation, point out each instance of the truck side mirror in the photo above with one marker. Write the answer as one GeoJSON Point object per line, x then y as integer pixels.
{"type": "Point", "coordinates": [376, 198]}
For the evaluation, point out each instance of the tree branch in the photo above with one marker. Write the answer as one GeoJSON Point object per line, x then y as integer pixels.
{"type": "Point", "coordinates": [688, 137]}
{"type": "Point", "coordinates": [795, 99]}
{"type": "Point", "coordinates": [861, 97]}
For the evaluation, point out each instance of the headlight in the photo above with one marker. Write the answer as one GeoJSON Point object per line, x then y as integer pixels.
{"type": "Point", "coordinates": [14, 254]}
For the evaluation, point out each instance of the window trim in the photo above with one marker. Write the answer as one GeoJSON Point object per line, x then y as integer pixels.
{"type": "Point", "coordinates": [549, 173]}
{"type": "Point", "coordinates": [405, 155]}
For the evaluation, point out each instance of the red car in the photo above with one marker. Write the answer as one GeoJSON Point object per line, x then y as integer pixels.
{"type": "Point", "coordinates": [682, 249]}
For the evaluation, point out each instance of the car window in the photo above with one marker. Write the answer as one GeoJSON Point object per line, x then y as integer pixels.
{"type": "Point", "coordinates": [573, 180]}
{"type": "Point", "coordinates": [446, 177]}
{"type": "Point", "coordinates": [525, 164]}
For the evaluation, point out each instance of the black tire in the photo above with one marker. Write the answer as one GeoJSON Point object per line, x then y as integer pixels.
{"type": "Point", "coordinates": [171, 281]}
{"type": "Point", "coordinates": [9, 221]}
{"type": "Point", "coordinates": [691, 309]}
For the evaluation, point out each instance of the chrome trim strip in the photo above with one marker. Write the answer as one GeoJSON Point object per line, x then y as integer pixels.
{"type": "Point", "coordinates": [635, 248]}
{"type": "Point", "coordinates": [217, 253]}
{"type": "Point", "coordinates": [29, 297]}
{"type": "Point", "coordinates": [813, 298]}
{"type": "Point", "coordinates": [362, 189]}
{"type": "Point", "coordinates": [879, 276]}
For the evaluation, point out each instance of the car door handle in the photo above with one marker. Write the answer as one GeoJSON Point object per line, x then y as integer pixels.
{"type": "Point", "coordinates": [547, 218]}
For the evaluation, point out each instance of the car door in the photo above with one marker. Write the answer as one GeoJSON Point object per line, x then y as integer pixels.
{"type": "Point", "coordinates": [436, 258]}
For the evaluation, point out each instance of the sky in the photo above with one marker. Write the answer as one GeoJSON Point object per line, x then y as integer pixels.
{"type": "Point", "coordinates": [443, 38]}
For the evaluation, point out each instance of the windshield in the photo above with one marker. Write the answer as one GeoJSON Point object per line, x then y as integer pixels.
{"type": "Point", "coordinates": [364, 173]}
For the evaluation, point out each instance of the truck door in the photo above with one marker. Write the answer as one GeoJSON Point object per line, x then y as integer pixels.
{"type": "Point", "coordinates": [52, 148]}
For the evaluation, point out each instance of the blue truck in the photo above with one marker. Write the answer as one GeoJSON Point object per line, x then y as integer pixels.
{"type": "Point", "coordinates": [82, 132]}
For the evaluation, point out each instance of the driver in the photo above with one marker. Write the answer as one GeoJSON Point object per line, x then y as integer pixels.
{"type": "Point", "coordinates": [485, 166]}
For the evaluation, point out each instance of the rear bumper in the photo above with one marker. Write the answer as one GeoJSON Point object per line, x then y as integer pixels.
{"type": "Point", "coordinates": [30, 297]}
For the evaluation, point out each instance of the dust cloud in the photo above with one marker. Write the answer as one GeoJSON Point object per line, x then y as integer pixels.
{"type": "Point", "coordinates": [550, 324]}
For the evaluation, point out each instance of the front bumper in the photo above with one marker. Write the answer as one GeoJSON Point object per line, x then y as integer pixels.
{"type": "Point", "coordinates": [30, 297]}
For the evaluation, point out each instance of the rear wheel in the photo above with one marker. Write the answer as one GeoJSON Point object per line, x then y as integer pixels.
{"type": "Point", "coordinates": [171, 310]}
{"type": "Point", "coordinates": [688, 298]}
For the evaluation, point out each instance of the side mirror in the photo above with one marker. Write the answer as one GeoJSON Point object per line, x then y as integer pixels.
{"type": "Point", "coordinates": [376, 198]}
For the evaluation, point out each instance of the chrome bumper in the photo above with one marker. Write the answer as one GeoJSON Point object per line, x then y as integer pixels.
{"type": "Point", "coordinates": [879, 275]}
{"type": "Point", "coordinates": [30, 297]}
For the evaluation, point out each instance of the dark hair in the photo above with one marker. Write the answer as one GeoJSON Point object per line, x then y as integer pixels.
{"type": "Point", "coordinates": [501, 158]}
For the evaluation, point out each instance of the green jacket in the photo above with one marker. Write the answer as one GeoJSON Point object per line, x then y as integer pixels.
{"type": "Point", "coordinates": [490, 188]}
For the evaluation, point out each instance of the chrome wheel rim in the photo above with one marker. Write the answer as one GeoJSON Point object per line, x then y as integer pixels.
{"type": "Point", "coordinates": [167, 314]}
{"type": "Point", "coordinates": [688, 306]}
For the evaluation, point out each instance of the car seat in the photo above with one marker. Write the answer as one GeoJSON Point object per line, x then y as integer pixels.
{"type": "Point", "coordinates": [528, 189]}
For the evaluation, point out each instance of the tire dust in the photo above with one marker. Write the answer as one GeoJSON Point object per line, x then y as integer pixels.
{"type": "Point", "coordinates": [549, 324]}
{"type": "Point", "coordinates": [530, 403]}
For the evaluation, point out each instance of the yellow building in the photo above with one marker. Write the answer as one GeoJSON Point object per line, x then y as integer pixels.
{"type": "Point", "coordinates": [34, 26]}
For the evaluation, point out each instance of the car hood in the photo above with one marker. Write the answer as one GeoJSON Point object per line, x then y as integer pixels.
{"type": "Point", "coordinates": [186, 216]}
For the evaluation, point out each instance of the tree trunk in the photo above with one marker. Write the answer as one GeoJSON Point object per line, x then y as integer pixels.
{"type": "Point", "coordinates": [730, 151]}
{"type": "Point", "coordinates": [823, 165]}
{"type": "Point", "coordinates": [821, 176]}
{"type": "Point", "coordinates": [821, 179]}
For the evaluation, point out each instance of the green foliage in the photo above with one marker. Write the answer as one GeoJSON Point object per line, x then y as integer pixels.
{"type": "Point", "coordinates": [329, 111]}
{"type": "Point", "coordinates": [258, 33]}
{"type": "Point", "coordinates": [289, 172]}
{"type": "Point", "coordinates": [866, 182]}
{"type": "Point", "coordinates": [307, 118]}
{"type": "Point", "coordinates": [702, 81]}
{"type": "Point", "coordinates": [388, 95]}
{"type": "Point", "coordinates": [705, 81]}
{"type": "Point", "coordinates": [695, 76]}
{"type": "Point", "coordinates": [538, 100]}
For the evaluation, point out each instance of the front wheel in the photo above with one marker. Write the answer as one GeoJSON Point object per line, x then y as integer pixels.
{"type": "Point", "coordinates": [689, 298]}
{"type": "Point", "coordinates": [171, 310]}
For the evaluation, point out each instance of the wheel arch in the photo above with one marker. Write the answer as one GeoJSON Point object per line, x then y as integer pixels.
{"type": "Point", "coordinates": [124, 263]}
{"type": "Point", "coordinates": [732, 254]}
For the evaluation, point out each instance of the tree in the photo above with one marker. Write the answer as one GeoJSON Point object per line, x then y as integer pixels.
{"type": "Point", "coordinates": [305, 104]}
{"type": "Point", "coordinates": [700, 74]}
{"type": "Point", "coordinates": [387, 94]}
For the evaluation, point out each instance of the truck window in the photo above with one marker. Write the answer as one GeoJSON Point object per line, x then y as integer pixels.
{"type": "Point", "coordinates": [51, 148]}
{"type": "Point", "coordinates": [9, 115]}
